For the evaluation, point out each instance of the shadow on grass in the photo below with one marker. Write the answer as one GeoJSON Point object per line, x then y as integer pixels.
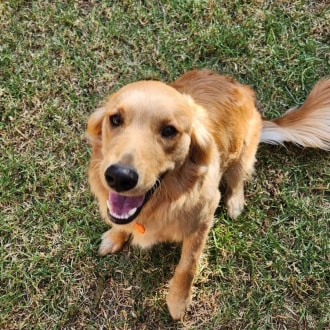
{"type": "Point", "coordinates": [130, 289]}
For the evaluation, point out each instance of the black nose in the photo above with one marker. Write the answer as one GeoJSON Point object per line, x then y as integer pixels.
{"type": "Point", "coordinates": [121, 177]}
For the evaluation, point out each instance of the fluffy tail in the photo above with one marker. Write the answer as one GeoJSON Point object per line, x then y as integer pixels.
{"type": "Point", "coordinates": [307, 126]}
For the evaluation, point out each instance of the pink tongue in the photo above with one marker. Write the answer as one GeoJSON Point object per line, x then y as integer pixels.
{"type": "Point", "coordinates": [121, 205]}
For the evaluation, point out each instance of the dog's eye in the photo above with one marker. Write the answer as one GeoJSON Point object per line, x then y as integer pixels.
{"type": "Point", "coordinates": [116, 120]}
{"type": "Point", "coordinates": [169, 131]}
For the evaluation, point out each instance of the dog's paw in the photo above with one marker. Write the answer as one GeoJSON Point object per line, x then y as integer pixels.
{"type": "Point", "coordinates": [234, 210]}
{"type": "Point", "coordinates": [177, 305]}
{"type": "Point", "coordinates": [112, 242]}
{"type": "Point", "coordinates": [235, 205]}
{"type": "Point", "coordinates": [177, 301]}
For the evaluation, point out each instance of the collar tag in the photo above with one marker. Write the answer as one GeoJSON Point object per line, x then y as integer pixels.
{"type": "Point", "coordinates": [140, 228]}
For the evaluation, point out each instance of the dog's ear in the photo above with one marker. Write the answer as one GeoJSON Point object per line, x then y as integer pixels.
{"type": "Point", "coordinates": [94, 126]}
{"type": "Point", "coordinates": [201, 139]}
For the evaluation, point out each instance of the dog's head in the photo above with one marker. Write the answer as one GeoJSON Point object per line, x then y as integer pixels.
{"type": "Point", "coordinates": [145, 133]}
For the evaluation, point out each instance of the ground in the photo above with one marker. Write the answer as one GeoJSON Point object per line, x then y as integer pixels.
{"type": "Point", "coordinates": [269, 269]}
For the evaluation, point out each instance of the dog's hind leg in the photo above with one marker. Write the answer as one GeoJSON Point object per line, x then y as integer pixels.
{"type": "Point", "coordinates": [234, 178]}
{"type": "Point", "coordinates": [234, 195]}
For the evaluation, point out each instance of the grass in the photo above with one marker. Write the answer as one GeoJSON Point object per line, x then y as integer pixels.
{"type": "Point", "coordinates": [267, 270]}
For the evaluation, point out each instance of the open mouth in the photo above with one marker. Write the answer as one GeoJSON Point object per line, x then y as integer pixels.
{"type": "Point", "coordinates": [124, 209]}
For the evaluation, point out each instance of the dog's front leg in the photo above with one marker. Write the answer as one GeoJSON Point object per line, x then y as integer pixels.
{"type": "Point", "coordinates": [179, 296]}
{"type": "Point", "coordinates": [112, 241]}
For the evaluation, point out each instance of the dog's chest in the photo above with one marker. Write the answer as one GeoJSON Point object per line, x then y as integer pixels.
{"type": "Point", "coordinates": [160, 227]}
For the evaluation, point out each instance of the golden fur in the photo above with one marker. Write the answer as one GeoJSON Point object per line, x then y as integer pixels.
{"type": "Point", "coordinates": [176, 142]}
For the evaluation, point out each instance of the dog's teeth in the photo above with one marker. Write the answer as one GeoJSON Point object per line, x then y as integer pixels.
{"type": "Point", "coordinates": [120, 216]}
{"type": "Point", "coordinates": [132, 211]}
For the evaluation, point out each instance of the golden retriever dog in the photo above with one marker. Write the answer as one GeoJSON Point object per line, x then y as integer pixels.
{"type": "Point", "coordinates": [159, 152]}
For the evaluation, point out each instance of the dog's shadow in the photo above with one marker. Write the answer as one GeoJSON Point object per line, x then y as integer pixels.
{"type": "Point", "coordinates": [131, 286]}
{"type": "Point", "coordinates": [279, 155]}
{"type": "Point", "coordinates": [306, 165]}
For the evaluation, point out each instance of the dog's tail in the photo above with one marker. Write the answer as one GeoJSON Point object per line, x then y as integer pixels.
{"type": "Point", "coordinates": [307, 126]}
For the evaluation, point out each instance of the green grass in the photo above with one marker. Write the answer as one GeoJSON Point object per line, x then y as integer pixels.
{"type": "Point", "coordinates": [58, 59]}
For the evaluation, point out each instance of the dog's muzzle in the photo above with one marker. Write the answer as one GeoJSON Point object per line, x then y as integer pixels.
{"type": "Point", "coordinates": [124, 209]}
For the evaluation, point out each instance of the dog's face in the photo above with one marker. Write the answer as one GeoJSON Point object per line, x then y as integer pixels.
{"type": "Point", "coordinates": [144, 132]}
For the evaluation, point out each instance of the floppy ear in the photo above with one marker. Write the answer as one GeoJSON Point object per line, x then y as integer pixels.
{"type": "Point", "coordinates": [94, 127]}
{"type": "Point", "coordinates": [201, 139]}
